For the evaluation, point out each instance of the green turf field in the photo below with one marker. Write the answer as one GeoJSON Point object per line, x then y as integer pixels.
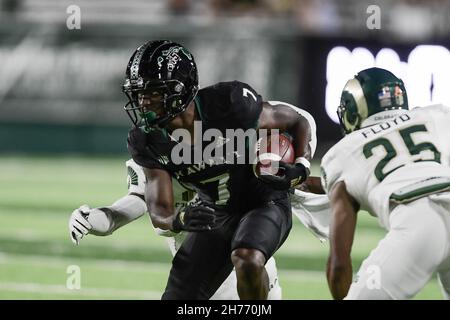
{"type": "Point", "coordinates": [36, 199]}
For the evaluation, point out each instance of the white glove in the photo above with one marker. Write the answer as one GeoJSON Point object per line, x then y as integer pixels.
{"type": "Point", "coordinates": [79, 226]}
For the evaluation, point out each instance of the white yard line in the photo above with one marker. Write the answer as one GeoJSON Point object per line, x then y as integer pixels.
{"type": "Point", "coordinates": [108, 264]}
{"type": "Point", "coordinates": [128, 265]}
{"type": "Point", "coordinates": [116, 265]}
{"type": "Point", "coordinates": [310, 274]}
{"type": "Point", "coordinates": [90, 292]}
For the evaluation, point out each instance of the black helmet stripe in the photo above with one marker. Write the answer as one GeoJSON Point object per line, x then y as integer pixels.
{"type": "Point", "coordinates": [134, 69]}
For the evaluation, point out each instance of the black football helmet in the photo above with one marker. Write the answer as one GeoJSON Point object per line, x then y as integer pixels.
{"type": "Point", "coordinates": [163, 68]}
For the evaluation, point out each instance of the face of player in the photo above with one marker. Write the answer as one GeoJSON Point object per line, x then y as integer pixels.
{"type": "Point", "coordinates": [151, 102]}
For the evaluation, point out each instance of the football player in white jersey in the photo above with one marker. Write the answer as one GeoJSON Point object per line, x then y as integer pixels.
{"type": "Point", "coordinates": [394, 163]}
{"type": "Point", "coordinates": [104, 221]}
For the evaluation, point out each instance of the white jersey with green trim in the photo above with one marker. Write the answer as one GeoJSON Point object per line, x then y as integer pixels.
{"type": "Point", "coordinates": [404, 155]}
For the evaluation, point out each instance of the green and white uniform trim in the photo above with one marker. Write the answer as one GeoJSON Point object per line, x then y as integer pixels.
{"type": "Point", "coordinates": [421, 189]}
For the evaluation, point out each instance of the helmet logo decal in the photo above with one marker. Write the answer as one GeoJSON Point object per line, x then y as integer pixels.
{"type": "Point", "coordinates": [360, 111]}
{"type": "Point", "coordinates": [172, 57]}
{"type": "Point", "coordinates": [187, 54]}
{"type": "Point", "coordinates": [384, 96]}
{"type": "Point", "coordinates": [398, 95]}
{"type": "Point", "coordinates": [160, 61]}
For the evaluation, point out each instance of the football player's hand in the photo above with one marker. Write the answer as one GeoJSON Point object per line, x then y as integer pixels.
{"type": "Point", "coordinates": [194, 218]}
{"type": "Point", "coordinates": [79, 226]}
{"type": "Point", "coordinates": [291, 175]}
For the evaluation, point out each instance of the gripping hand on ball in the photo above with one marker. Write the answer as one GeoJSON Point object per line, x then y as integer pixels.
{"type": "Point", "coordinates": [194, 218]}
{"type": "Point", "coordinates": [289, 175]}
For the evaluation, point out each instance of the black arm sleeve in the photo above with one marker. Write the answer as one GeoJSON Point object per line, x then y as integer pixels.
{"type": "Point", "coordinates": [234, 103]}
{"type": "Point", "coordinates": [142, 154]}
{"type": "Point", "coordinates": [246, 105]}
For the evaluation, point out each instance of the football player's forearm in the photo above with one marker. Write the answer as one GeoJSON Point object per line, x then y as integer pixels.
{"type": "Point", "coordinates": [339, 278]}
{"type": "Point", "coordinates": [313, 185]}
{"type": "Point", "coordinates": [301, 133]}
{"type": "Point", "coordinates": [342, 230]}
{"type": "Point", "coordinates": [106, 220]}
{"type": "Point", "coordinates": [285, 119]}
{"type": "Point", "coordinates": [159, 198]}
{"type": "Point", "coordinates": [161, 217]}
{"type": "Point", "coordinates": [298, 127]}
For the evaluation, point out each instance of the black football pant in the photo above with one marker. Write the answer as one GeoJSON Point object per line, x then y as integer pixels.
{"type": "Point", "coordinates": [203, 261]}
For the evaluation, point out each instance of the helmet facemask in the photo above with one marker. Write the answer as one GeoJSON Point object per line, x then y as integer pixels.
{"type": "Point", "coordinates": [170, 93]}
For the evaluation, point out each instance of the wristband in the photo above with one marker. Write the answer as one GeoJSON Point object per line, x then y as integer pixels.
{"type": "Point", "coordinates": [303, 161]}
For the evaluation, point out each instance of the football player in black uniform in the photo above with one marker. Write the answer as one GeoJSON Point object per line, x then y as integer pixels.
{"type": "Point", "coordinates": [239, 219]}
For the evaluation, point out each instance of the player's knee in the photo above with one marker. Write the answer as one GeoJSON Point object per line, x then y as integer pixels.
{"type": "Point", "coordinates": [249, 263]}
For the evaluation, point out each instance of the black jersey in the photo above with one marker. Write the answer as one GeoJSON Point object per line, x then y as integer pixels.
{"type": "Point", "coordinates": [225, 105]}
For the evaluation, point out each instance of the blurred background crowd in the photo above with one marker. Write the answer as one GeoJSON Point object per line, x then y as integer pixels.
{"type": "Point", "coordinates": [60, 87]}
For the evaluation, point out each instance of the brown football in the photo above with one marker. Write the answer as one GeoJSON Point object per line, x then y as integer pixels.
{"type": "Point", "coordinates": [271, 150]}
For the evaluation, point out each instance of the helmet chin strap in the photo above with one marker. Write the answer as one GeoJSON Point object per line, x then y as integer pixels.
{"type": "Point", "coordinates": [161, 123]}
{"type": "Point", "coordinates": [165, 121]}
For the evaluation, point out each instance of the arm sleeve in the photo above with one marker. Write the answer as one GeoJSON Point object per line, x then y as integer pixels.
{"type": "Point", "coordinates": [136, 184]}
{"type": "Point", "coordinates": [141, 151]}
{"type": "Point", "coordinates": [106, 220]}
{"type": "Point", "coordinates": [135, 178]}
{"type": "Point", "coordinates": [246, 105]}
{"type": "Point", "coordinates": [234, 103]}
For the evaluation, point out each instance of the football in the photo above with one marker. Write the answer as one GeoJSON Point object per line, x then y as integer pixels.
{"type": "Point", "coordinates": [271, 150]}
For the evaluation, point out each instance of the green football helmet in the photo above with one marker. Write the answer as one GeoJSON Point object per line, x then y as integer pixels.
{"type": "Point", "coordinates": [371, 92]}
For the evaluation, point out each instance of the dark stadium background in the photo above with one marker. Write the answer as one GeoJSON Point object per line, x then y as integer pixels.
{"type": "Point", "coordinates": [63, 130]}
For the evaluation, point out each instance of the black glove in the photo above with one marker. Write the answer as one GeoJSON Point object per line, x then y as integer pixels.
{"type": "Point", "coordinates": [194, 218]}
{"type": "Point", "coordinates": [291, 175]}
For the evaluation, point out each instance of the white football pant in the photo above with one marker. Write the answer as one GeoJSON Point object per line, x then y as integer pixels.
{"type": "Point", "coordinates": [416, 246]}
